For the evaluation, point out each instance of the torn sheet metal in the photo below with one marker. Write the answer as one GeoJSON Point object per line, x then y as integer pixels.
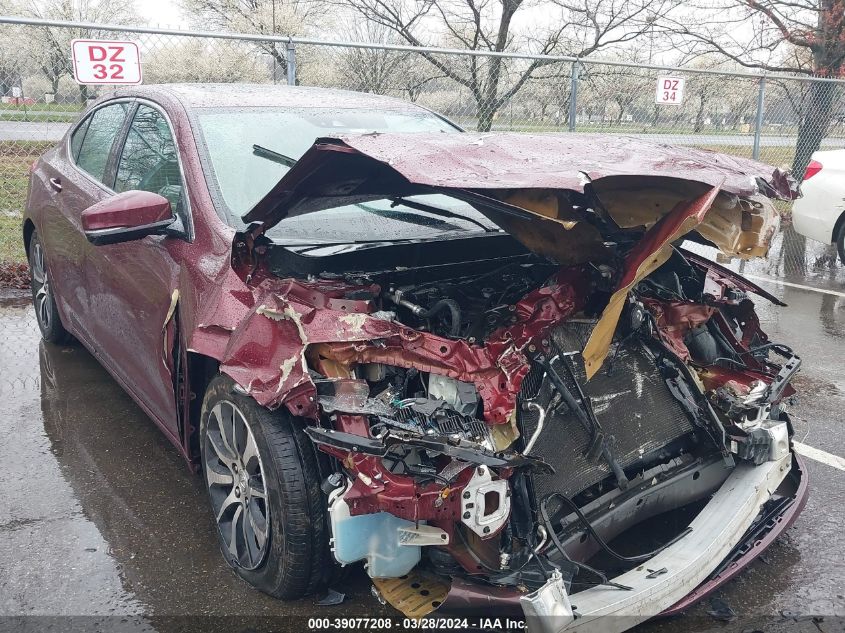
{"type": "Point", "coordinates": [262, 334]}
{"type": "Point", "coordinates": [267, 353]}
{"type": "Point", "coordinates": [648, 255]}
{"type": "Point", "coordinates": [168, 332]}
{"type": "Point", "coordinates": [675, 319]}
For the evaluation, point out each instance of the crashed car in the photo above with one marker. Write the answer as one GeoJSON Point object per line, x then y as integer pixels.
{"type": "Point", "coordinates": [481, 364]}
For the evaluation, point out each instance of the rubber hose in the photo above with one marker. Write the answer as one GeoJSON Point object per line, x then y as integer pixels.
{"type": "Point", "coordinates": [453, 307]}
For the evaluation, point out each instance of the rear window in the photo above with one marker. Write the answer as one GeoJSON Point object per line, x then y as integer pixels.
{"type": "Point", "coordinates": [95, 147]}
{"type": "Point", "coordinates": [77, 137]}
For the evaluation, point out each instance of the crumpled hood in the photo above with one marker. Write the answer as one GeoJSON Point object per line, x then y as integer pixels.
{"type": "Point", "coordinates": [519, 181]}
{"type": "Point", "coordinates": [357, 168]}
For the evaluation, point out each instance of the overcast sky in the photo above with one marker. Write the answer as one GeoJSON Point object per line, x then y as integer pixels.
{"type": "Point", "coordinates": [163, 13]}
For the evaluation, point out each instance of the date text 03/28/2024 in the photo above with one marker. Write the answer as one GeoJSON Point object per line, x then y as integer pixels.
{"type": "Point", "coordinates": [458, 624]}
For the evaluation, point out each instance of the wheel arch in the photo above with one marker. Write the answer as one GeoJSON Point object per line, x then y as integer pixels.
{"type": "Point", "coordinates": [840, 221]}
{"type": "Point", "coordinates": [200, 371]}
{"type": "Point", "coordinates": [28, 230]}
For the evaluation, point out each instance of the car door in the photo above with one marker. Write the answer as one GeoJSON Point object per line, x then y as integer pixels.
{"type": "Point", "coordinates": [75, 175]}
{"type": "Point", "coordinates": [134, 284]}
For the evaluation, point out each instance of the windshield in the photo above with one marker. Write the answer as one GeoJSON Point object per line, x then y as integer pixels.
{"type": "Point", "coordinates": [248, 151]}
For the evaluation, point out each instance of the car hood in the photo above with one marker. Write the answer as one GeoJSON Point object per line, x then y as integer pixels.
{"type": "Point", "coordinates": [355, 168]}
{"type": "Point", "coordinates": [523, 183]}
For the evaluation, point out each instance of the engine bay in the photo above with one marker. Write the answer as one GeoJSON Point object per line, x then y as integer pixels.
{"type": "Point", "coordinates": [690, 384]}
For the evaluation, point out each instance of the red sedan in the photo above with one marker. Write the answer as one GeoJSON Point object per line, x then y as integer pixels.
{"type": "Point", "coordinates": [480, 363]}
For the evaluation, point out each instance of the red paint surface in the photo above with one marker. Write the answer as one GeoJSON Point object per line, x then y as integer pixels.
{"type": "Point", "coordinates": [266, 349]}
{"type": "Point", "coordinates": [133, 281]}
{"type": "Point", "coordinates": [675, 319]}
{"type": "Point", "coordinates": [127, 209]}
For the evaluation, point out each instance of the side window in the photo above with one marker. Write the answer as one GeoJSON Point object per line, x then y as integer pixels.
{"type": "Point", "coordinates": [93, 153]}
{"type": "Point", "coordinates": [149, 161]}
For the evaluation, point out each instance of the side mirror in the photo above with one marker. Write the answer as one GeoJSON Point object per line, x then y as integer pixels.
{"type": "Point", "coordinates": [127, 216]}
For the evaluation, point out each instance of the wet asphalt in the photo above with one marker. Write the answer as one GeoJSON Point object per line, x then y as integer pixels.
{"type": "Point", "coordinates": [103, 527]}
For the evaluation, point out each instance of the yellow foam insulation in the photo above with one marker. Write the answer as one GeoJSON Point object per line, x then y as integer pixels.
{"type": "Point", "coordinates": [503, 435]}
{"type": "Point", "coordinates": [550, 233]}
{"type": "Point", "coordinates": [319, 355]}
{"type": "Point", "coordinates": [602, 335]}
{"type": "Point", "coordinates": [739, 227]}
{"type": "Point", "coordinates": [563, 241]}
{"type": "Point", "coordinates": [174, 301]}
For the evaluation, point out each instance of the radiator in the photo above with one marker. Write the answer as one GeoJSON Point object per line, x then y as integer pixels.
{"type": "Point", "coordinates": [629, 398]}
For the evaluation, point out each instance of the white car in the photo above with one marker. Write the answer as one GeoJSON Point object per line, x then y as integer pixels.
{"type": "Point", "coordinates": [820, 213]}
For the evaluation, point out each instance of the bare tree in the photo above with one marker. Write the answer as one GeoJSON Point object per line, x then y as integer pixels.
{"type": "Point", "coordinates": [14, 59]}
{"type": "Point", "coordinates": [203, 61]}
{"type": "Point", "coordinates": [54, 66]}
{"type": "Point", "coordinates": [622, 86]}
{"type": "Point", "coordinates": [548, 93]}
{"type": "Point", "coordinates": [740, 103]}
{"type": "Point", "coordinates": [572, 27]}
{"type": "Point", "coordinates": [805, 37]}
{"type": "Point", "coordinates": [368, 69]}
{"type": "Point", "coordinates": [776, 29]}
{"type": "Point", "coordinates": [271, 17]}
{"type": "Point", "coordinates": [702, 91]}
{"type": "Point", "coordinates": [382, 71]}
{"type": "Point", "coordinates": [50, 46]}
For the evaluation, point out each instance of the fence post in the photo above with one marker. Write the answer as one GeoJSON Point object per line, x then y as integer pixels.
{"type": "Point", "coordinates": [758, 123]}
{"type": "Point", "coordinates": [573, 96]}
{"type": "Point", "coordinates": [290, 58]}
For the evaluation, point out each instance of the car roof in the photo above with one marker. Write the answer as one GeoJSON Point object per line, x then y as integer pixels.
{"type": "Point", "coordinates": [193, 96]}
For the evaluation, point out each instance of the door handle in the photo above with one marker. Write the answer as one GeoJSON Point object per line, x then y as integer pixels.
{"type": "Point", "coordinates": [56, 184]}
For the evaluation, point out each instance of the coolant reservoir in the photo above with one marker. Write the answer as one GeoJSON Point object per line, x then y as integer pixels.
{"type": "Point", "coordinates": [370, 537]}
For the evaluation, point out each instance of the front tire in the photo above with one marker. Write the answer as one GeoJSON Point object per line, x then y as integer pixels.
{"type": "Point", "coordinates": [263, 482]}
{"type": "Point", "coordinates": [840, 243]}
{"type": "Point", "coordinates": [43, 297]}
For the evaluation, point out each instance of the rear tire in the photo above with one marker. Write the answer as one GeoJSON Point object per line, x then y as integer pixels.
{"type": "Point", "coordinates": [840, 242]}
{"type": "Point", "coordinates": [265, 454]}
{"type": "Point", "coordinates": [43, 295]}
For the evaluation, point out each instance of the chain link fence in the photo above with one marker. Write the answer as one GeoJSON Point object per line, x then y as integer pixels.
{"type": "Point", "coordinates": [735, 113]}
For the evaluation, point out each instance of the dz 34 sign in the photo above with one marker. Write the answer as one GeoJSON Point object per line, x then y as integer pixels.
{"type": "Point", "coordinates": [106, 62]}
{"type": "Point", "coordinates": [670, 90]}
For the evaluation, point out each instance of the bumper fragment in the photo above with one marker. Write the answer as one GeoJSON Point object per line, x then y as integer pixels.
{"type": "Point", "coordinates": [717, 529]}
{"type": "Point", "coordinates": [754, 547]}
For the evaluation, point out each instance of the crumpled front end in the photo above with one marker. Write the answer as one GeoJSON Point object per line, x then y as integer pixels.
{"type": "Point", "coordinates": [567, 431]}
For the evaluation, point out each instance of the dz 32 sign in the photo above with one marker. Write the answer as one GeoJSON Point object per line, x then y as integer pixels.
{"type": "Point", "coordinates": [106, 62]}
{"type": "Point", "coordinates": [670, 90]}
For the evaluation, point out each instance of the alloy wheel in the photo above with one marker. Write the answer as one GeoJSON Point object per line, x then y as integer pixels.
{"type": "Point", "coordinates": [41, 287]}
{"type": "Point", "coordinates": [235, 478]}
